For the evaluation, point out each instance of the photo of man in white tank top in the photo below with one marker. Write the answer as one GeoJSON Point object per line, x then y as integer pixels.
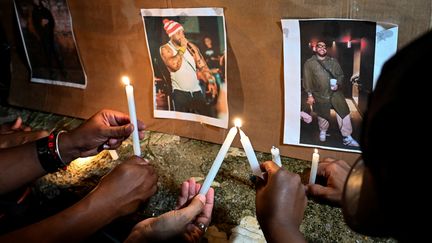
{"type": "Point", "coordinates": [185, 63]}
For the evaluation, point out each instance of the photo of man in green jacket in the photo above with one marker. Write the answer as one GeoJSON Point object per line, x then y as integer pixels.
{"type": "Point", "coordinates": [322, 79]}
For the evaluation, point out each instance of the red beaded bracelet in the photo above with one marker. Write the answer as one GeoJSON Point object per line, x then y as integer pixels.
{"type": "Point", "coordinates": [49, 154]}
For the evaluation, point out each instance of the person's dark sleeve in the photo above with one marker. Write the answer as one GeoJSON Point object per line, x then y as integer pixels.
{"type": "Point", "coordinates": [307, 74]}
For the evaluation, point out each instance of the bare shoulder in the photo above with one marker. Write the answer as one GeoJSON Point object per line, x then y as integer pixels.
{"type": "Point", "coordinates": [165, 50]}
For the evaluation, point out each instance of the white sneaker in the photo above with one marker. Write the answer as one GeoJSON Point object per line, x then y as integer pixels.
{"type": "Point", "coordinates": [322, 136]}
{"type": "Point", "coordinates": [349, 141]}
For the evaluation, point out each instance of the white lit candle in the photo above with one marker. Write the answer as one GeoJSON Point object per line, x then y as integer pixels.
{"type": "Point", "coordinates": [219, 159]}
{"type": "Point", "coordinates": [250, 154]}
{"type": "Point", "coordinates": [132, 115]}
{"type": "Point", "coordinates": [276, 156]}
{"type": "Point", "coordinates": [314, 167]}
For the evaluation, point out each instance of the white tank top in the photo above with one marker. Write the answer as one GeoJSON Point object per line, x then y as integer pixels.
{"type": "Point", "coordinates": [185, 79]}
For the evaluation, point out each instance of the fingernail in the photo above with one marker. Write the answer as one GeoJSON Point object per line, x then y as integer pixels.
{"type": "Point", "coordinates": [105, 146]}
{"type": "Point", "coordinates": [131, 127]}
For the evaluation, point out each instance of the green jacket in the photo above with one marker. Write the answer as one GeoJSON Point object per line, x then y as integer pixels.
{"type": "Point", "coordinates": [316, 80]}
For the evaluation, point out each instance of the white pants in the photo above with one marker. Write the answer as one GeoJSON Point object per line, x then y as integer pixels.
{"type": "Point", "coordinates": [345, 125]}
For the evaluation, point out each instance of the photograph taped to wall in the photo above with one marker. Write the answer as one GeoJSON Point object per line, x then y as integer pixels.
{"type": "Point", "coordinates": [330, 68]}
{"type": "Point", "coordinates": [187, 49]}
{"type": "Point", "coordinates": [49, 42]}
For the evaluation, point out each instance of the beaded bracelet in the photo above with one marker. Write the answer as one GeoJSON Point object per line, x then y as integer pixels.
{"type": "Point", "coordinates": [49, 154]}
{"type": "Point", "coordinates": [57, 150]}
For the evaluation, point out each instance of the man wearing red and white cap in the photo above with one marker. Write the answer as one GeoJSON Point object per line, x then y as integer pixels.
{"type": "Point", "coordinates": [186, 66]}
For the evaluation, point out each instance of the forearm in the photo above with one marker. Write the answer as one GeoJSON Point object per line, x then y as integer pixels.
{"type": "Point", "coordinates": [205, 70]}
{"type": "Point", "coordinates": [19, 166]}
{"type": "Point", "coordinates": [71, 225]}
{"type": "Point", "coordinates": [201, 64]}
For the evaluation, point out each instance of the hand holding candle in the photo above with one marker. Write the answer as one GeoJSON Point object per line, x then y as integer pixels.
{"type": "Point", "coordinates": [132, 115]}
{"type": "Point", "coordinates": [218, 160]}
{"type": "Point", "coordinates": [250, 154]}
{"type": "Point", "coordinates": [314, 167]}
{"type": "Point", "coordinates": [276, 156]}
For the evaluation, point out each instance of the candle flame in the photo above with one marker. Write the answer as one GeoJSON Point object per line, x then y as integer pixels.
{"type": "Point", "coordinates": [315, 150]}
{"type": "Point", "coordinates": [237, 122]}
{"type": "Point", "coordinates": [125, 80]}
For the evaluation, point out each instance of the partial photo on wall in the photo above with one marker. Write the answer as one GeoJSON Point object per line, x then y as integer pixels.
{"type": "Point", "coordinates": [330, 68]}
{"type": "Point", "coordinates": [49, 42]}
{"type": "Point", "coordinates": [187, 49]}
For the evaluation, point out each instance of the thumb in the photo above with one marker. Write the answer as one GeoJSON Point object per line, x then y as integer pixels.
{"type": "Point", "coordinates": [194, 208]}
{"type": "Point", "coordinates": [316, 190]}
{"type": "Point", "coordinates": [118, 131]}
{"type": "Point", "coordinates": [270, 167]}
{"type": "Point", "coordinates": [17, 124]}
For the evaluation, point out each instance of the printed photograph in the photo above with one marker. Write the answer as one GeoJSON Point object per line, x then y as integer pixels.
{"type": "Point", "coordinates": [187, 49]}
{"type": "Point", "coordinates": [334, 76]}
{"type": "Point", "coordinates": [49, 42]}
